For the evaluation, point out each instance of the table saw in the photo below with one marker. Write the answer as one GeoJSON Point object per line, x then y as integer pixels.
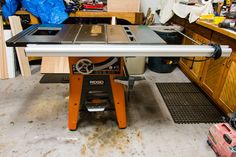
{"type": "Point", "coordinates": [96, 61]}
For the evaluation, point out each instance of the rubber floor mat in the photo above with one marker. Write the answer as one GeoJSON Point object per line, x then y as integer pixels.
{"type": "Point", "coordinates": [55, 78]}
{"type": "Point", "coordinates": [187, 103]}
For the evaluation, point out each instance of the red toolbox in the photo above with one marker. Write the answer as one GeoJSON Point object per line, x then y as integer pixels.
{"type": "Point", "coordinates": [222, 139]}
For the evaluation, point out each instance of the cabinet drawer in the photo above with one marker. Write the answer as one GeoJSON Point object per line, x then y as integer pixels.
{"type": "Point", "coordinates": [223, 40]}
{"type": "Point", "coordinates": [205, 32]}
{"type": "Point", "coordinates": [178, 20]}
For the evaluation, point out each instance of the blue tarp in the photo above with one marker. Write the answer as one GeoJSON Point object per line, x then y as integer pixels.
{"type": "Point", "coordinates": [49, 11]}
{"type": "Point", "coordinates": [9, 8]}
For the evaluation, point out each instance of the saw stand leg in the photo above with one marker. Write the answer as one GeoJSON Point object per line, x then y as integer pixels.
{"type": "Point", "coordinates": [118, 93]}
{"type": "Point", "coordinates": [74, 98]}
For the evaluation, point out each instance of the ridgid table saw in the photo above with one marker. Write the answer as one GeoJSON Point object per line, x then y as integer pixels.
{"type": "Point", "coordinates": [96, 61]}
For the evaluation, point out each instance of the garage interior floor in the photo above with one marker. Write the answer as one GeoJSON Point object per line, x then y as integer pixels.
{"type": "Point", "coordinates": [33, 123]}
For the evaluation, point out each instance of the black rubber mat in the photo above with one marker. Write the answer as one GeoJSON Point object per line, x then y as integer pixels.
{"type": "Point", "coordinates": [55, 78]}
{"type": "Point", "coordinates": [187, 103]}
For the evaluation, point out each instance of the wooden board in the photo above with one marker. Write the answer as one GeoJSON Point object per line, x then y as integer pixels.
{"type": "Point", "coordinates": [3, 56]}
{"type": "Point", "coordinates": [123, 5]}
{"type": "Point", "coordinates": [11, 60]}
{"type": "Point", "coordinates": [59, 65]}
{"type": "Point", "coordinates": [16, 27]}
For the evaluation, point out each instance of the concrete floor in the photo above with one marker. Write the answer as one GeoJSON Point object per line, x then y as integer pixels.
{"type": "Point", "coordinates": [33, 123]}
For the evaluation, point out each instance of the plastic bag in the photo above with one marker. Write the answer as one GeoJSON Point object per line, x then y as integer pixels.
{"type": "Point", "coordinates": [9, 8]}
{"type": "Point", "coordinates": [49, 11]}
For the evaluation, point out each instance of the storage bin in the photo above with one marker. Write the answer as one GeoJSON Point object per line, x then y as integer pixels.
{"type": "Point", "coordinates": [172, 37]}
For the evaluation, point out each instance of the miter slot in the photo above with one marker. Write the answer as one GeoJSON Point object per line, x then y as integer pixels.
{"type": "Point", "coordinates": [71, 34]}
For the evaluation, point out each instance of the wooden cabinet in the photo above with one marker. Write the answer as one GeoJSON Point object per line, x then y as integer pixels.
{"type": "Point", "coordinates": [227, 94]}
{"type": "Point", "coordinates": [218, 80]}
{"type": "Point", "coordinates": [193, 69]}
{"type": "Point", "coordinates": [216, 77]}
{"type": "Point", "coordinates": [212, 77]}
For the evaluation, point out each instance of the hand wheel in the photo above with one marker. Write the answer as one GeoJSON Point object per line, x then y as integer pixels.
{"type": "Point", "coordinates": [84, 66]}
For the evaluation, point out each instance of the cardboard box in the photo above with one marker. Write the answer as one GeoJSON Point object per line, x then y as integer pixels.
{"type": "Point", "coordinates": [123, 5]}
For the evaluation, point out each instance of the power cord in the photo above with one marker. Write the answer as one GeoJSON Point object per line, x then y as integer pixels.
{"type": "Point", "coordinates": [232, 121]}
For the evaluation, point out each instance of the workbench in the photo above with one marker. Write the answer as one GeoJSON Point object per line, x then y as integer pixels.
{"type": "Point", "coordinates": [132, 17]}
{"type": "Point", "coordinates": [216, 77]}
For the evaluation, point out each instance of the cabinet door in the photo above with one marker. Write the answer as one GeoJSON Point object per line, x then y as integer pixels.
{"type": "Point", "coordinates": [227, 97]}
{"type": "Point", "coordinates": [212, 74]}
{"type": "Point", "coordinates": [193, 69]}
{"type": "Point", "coordinates": [225, 94]}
